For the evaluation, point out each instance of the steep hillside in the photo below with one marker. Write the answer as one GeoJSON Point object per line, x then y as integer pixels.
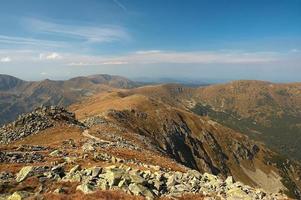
{"type": "Point", "coordinates": [9, 82]}
{"type": "Point", "coordinates": [196, 142]}
{"type": "Point", "coordinates": [17, 96]}
{"type": "Point", "coordinates": [265, 111]}
{"type": "Point", "coordinates": [114, 154]}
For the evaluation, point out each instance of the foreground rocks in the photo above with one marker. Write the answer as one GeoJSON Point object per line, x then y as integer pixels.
{"type": "Point", "coordinates": [31, 123]}
{"type": "Point", "coordinates": [147, 183]}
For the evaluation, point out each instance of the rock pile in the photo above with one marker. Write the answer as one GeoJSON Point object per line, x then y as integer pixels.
{"type": "Point", "coordinates": [93, 145]}
{"type": "Point", "coordinates": [148, 183]}
{"type": "Point", "coordinates": [92, 121]}
{"type": "Point", "coordinates": [31, 123]}
{"type": "Point", "coordinates": [20, 157]}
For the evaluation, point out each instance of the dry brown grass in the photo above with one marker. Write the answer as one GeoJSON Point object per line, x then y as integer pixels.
{"type": "Point", "coordinates": [100, 195]}
{"type": "Point", "coordinates": [149, 158]}
{"type": "Point", "coordinates": [52, 136]}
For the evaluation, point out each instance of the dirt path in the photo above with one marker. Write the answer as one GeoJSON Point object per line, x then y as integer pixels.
{"type": "Point", "coordinates": [88, 135]}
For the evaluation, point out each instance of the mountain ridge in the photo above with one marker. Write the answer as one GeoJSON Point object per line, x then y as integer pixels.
{"type": "Point", "coordinates": [18, 96]}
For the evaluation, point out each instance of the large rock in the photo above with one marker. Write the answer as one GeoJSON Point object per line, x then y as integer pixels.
{"type": "Point", "coordinates": [238, 194]}
{"type": "Point", "coordinates": [24, 173]}
{"type": "Point", "coordinates": [113, 176]}
{"type": "Point", "coordinates": [85, 188]}
{"type": "Point", "coordinates": [135, 178]}
{"type": "Point", "coordinates": [74, 174]}
{"type": "Point", "coordinates": [138, 189]}
{"type": "Point", "coordinates": [19, 195]}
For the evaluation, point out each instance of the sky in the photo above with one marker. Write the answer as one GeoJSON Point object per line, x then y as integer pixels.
{"type": "Point", "coordinates": [191, 39]}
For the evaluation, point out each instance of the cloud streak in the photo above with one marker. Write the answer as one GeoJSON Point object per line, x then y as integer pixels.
{"type": "Point", "coordinates": [172, 57]}
{"type": "Point", "coordinates": [25, 41]}
{"type": "Point", "coordinates": [49, 36]}
{"type": "Point", "coordinates": [90, 34]}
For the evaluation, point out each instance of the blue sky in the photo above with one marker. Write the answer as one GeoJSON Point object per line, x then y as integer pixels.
{"type": "Point", "coordinates": [201, 39]}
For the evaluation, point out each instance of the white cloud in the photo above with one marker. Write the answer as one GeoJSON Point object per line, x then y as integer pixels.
{"type": "Point", "coordinates": [5, 59]}
{"type": "Point", "coordinates": [50, 56]}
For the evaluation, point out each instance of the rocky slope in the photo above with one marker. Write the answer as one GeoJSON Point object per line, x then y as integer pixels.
{"type": "Point", "coordinates": [103, 160]}
{"type": "Point", "coordinates": [266, 112]}
{"type": "Point", "coordinates": [18, 96]}
{"type": "Point", "coordinates": [196, 142]}
{"type": "Point", "coordinates": [129, 136]}
{"type": "Point", "coordinates": [40, 119]}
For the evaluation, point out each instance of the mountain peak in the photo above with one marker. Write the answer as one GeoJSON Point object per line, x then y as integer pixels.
{"type": "Point", "coordinates": [40, 119]}
{"type": "Point", "coordinates": [8, 82]}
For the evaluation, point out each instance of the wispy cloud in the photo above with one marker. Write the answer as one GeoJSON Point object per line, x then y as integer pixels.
{"type": "Point", "coordinates": [25, 41]}
{"type": "Point", "coordinates": [93, 34]}
{"type": "Point", "coordinates": [50, 36]}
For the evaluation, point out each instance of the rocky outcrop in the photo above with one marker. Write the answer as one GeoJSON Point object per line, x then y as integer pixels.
{"type": "Point", "coordinates": [20, 157]}
{"type": "Point", "coordinates": [147, 183]}
{"type": "Point", "coordinates": [32, 123]}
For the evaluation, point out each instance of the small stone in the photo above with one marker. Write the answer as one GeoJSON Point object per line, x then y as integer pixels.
{"type": "Point", "coordinates": [74, 169]}
{"type": "Point", "coordinates": [96, 171]}
{"type": "Point", "coordinates": [59, 190]}
{"type": "Point", "coordinates": [229, 180]}
{"type": "Point", "coordinates": [70, 159]}
{"type": "Point", "coordinates": [55, 153]}
{"type": "Point", "coordinates": [88, 147]}
{"type": "Point", "coordinates": [24, 173]}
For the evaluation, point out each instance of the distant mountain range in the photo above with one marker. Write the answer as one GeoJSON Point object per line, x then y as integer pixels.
{"type": "Point", "coordinates": [18, 96]}
{"type": "Point", "coordinates": [265, 111]}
